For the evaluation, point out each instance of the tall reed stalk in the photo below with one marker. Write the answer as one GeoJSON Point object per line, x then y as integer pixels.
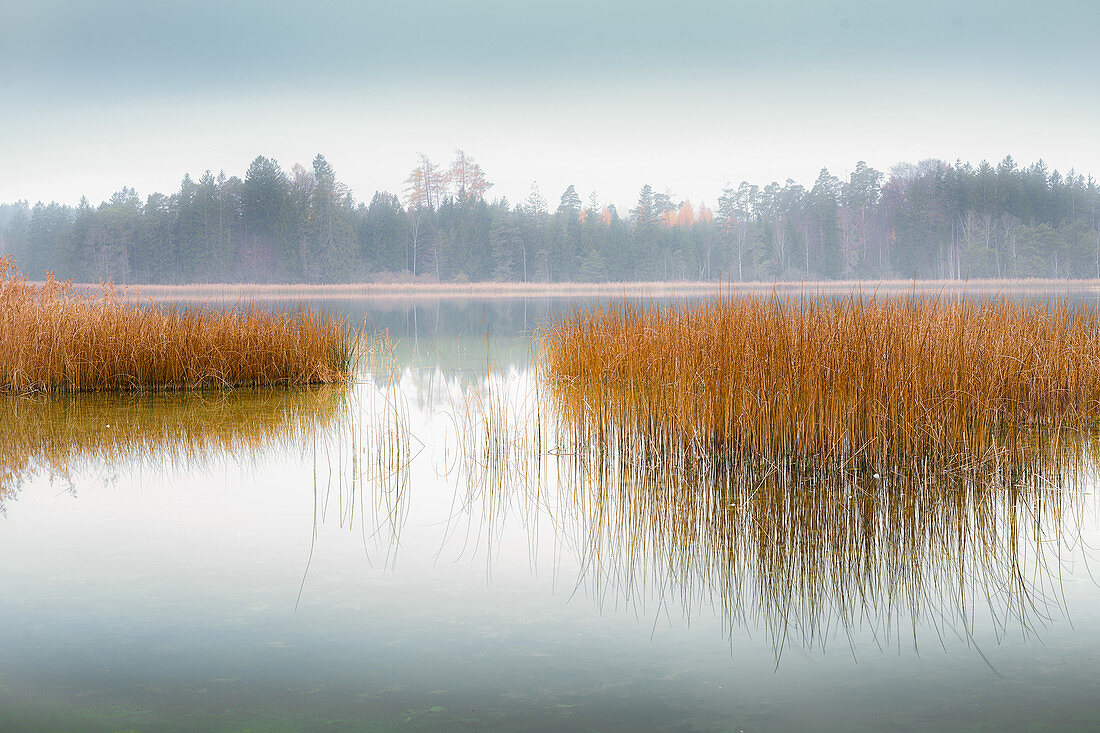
{"type": "Point", "coordinates": [872, 379]}
{"type": "Point", "coordinates": [56, 339]}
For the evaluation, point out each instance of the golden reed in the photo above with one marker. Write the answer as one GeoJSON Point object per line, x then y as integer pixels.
{"type": "Point", "coordinates": [868, 379]}
{"type": "Point", "coordinates": [56, 339]}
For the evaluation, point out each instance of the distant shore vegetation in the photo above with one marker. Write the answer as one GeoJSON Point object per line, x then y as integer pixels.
{"type": "Point", "coordinates": [930, 220]}
{"type": "Point", "coordinates": [56, 339]}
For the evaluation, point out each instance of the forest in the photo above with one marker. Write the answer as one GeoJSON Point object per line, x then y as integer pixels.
{"type": "Point", "coordinates": [931, 219]}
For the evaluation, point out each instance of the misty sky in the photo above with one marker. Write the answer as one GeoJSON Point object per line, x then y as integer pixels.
{"type": "Point", "coordinates": [606, 96]}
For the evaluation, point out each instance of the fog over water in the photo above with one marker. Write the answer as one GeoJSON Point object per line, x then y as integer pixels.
{"type": "Point", "coordinates": [457, 539]}
{"type": "Point", "coordinates": [605, 97]}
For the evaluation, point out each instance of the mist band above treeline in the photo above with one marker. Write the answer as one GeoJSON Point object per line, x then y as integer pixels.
{"type": "Point", "coordinates": [928, 220]}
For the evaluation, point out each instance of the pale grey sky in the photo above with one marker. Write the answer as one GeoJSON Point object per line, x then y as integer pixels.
{"type": "Point", "coordinates": [605, 96]}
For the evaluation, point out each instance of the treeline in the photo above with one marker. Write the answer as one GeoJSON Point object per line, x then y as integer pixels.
{"type": "Point", "coordinates": [928, 220]}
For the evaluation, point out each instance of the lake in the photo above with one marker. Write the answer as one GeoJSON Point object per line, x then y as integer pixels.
{"type": "Point", "coordinates": [424, 550]}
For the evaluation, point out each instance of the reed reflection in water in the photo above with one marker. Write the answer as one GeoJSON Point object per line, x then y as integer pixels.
{"type": "Point", "coordinates": [355, 433]}
{"type": "Point", "coordinates": [57, 436]}
{"type": "Point", "coordinates": [365, 462]}
{"type": "Point", "coordinates": [808, 549]}
{"type": "Point", "coordinates": [815, 464]}
{"type": "Point", "coordinates": [811, 552]}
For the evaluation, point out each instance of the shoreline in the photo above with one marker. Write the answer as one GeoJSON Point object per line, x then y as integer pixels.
{"type": "Point", "coordinates": [513, 290]}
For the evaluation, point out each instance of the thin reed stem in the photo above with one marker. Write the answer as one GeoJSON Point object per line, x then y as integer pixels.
{"type": "Point", "coordinates": [55, 339]}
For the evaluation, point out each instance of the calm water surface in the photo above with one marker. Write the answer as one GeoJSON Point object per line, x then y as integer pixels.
{"type": "Point", "coordinates": [423, 552]}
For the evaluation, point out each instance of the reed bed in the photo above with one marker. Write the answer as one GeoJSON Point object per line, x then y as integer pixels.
{"type": "Point", "coordinates": [358, 439]}
{"type": "Point", "coordinates": [54, 338]}
{"type": "Point", "coordinates": [811, 464]}
{"type": "Point", "coordinates": [803, 549]}
{"type": "Point", "coordinates": [872, 379]}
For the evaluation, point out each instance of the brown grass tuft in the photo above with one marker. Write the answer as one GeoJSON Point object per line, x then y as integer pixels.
{"type": "Point", "coordinates": [869, 379]}
{"type": "Point", "coordinates": [56, 339]}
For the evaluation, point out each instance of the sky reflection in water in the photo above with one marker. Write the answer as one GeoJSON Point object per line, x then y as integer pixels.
{"type": "Point", "coordinates": [436, 551]}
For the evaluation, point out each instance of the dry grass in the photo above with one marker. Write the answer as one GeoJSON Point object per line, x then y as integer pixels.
{"type": "Point", "coordinates": [869, 379]}
{"type": "Point", "coordinates": [54, 338]}
{"type": "Point", "coordinates": [814, 465]}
